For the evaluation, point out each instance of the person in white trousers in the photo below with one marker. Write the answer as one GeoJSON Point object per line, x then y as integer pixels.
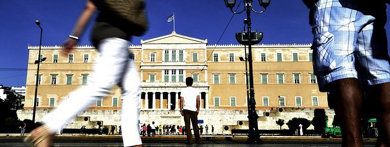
{"type": "Point", "coordinates": [113, 66]}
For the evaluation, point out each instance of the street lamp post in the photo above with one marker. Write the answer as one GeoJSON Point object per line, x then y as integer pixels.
{"type": "Point", "coordinates": [250, 38]}
{"type": "Point", "coordinates": [38, 61]}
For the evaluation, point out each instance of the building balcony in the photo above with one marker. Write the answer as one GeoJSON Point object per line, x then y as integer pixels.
{"type": "Point", "coordinates": [171, 84]}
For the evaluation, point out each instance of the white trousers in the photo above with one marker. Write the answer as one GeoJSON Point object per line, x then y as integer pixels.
{"type": "Point", "coordinates": [113, 67]}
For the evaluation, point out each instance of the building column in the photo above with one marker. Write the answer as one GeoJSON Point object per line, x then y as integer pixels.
{"type": "Point", "coordinates": [177, 101]}
{"type": "Point", "coordinates": [161, 100]}
{"type": "Point", "coordinates": [140, 101]}
{"type": "Point", "coordinates": [169, 101]}
{"type": "Point", "coordinates": [207, 100]}
{"type": "Point", "coordinates": [154, 100]}
{"type": "Point", "coordinates": [146, 100]}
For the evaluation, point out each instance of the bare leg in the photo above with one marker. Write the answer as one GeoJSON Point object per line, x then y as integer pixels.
{"type": "Point", "coordinates": [349, 106]}
{"type": "Point", "coordinates": [384, 121]}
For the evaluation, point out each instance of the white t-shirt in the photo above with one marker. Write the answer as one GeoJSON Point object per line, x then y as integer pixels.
{"type": "Point", "coordinates": [189, 94]}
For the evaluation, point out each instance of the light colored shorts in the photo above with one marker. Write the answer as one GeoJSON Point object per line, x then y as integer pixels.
{"type": "Point", "coordinates": [348, 44]}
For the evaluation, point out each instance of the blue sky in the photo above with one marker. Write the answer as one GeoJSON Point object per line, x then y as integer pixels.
{"type": "Point", "coordinates": [285, 22]}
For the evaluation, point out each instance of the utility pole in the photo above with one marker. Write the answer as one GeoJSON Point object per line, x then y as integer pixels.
{"type": "Point", "coordinates": [250, 38]}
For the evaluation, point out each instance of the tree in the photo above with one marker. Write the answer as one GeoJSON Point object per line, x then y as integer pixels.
{"type": "Point", "coordinates": [294, 123]}
{"type": "Point", "coordinates": [319, 120]}
{"type": "Point", "coordinates": [8, 118]}
{"type": "Point", "coordinates": [280, 122]}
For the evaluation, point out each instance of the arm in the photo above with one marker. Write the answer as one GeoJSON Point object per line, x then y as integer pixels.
{"type": "Point", "coordinates": [181, 105]}
{"type": "Point", "coordinates": [82, 22]}
{"type": "Point", "coordinates": [197, 104]}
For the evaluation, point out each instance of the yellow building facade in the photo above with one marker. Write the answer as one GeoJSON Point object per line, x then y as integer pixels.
{"type": "Point", "coordinates": [283, 78]}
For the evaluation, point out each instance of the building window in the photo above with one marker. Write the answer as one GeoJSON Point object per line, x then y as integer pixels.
{"type": "Point", "coordinates": [216, 101]}
{"type": "Point", "coordinates": [166, 55]}
{"type": "Point", "coordinates": [181, 75]}
{"type": "Point", "coordinates": [215, 57]}
{"type": "Point", "coordinates": [195, 76]}
{"type": "Point", "coordinates": [70, 58]}
{"type": "Point", "coordinates": [99, 103]}
{"type": "Point", "coordinates": [297, 78]}
{"type": "Point", "coordinates": [231, 57]}
{"type": "Point", "coordinates": [295, 57]}
{"type": "Point", "coordinates": [173, 56]}
{"type": "Point", "coordinates": [181, 55]}
{"type": "Point", "coordinates": [39, 78]}
{"type": "Point", "coordinates": [216, 78]}
{"type": "Point", "coordinates": [280, 77]}
{"type": "Point", "coordinates": [115, 102]}
{"type": "Point", "coordinates": [40, 57]}
{"type": "Point", "coordinates": [264, 78]}
{"type": "Point", "coordinates": [263, 57]}
{"type": "Point", "coordinates": [298, 101]}
{"type": "Point", "coordinates": [37, 102]}
{"type": "Point", "coordinates": [232, 78]}
{"type": "Point", "coordinates": [54, 79]}
{"type": "Point", "coordinates": [55, 58]}
{"type": "Point", "coordinates": [279, 57]}
{"type": "Point", "coordinates": [233, 101]}
{"type": "Point", "coordinates": [51, 102]}
{"type": "Point", "coordinates": [194, 57]}
{"type": "Point", "coordinates": [86, 58]}
{"type": "Point", "coordinates": [313, 79]}
{"type": "Point", "coordinates": [153, 57]}
{"type": "Point", "coordinates": [265, 101]}
{"type": "Point", "coordinates": [173, 78]}
{"type": "Point", "coordinates": [85, 79]}
{"type": "Point", "coordinates": [247, 78]}
{"type": "Point", "coordinates": [282, 101]}
{"type": "Point", "coordinates": [311, 57]}
{"type": "Point", "coordinates": [69, 79]}
{"type": "Point", "coordinates": [314, 100]}
{"type": "Point", "coordinates": [166, 75]}
{"type": "Point", "coordinates": [152, 77]}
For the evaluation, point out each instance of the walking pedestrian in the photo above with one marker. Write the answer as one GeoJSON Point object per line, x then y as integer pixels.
{"type": "Point", "coordinates": [189, 108]}
{"type": "Point", "coordinates": [153, 129]}
{"type": "Point", "coordinates": [144, 129]}
{"type": "Point", "coordinates": [300, 130]}
{"type": "Point", "coordinates": [160, 129]}
{"type": "Point", "coordinates": [350, 53]}
{"type": "Point", "coordinates": [22, 128]}
{"type": "Point", "coordinates": [207, 129]}
{"type": "Point", "coordinates": [114, 66]}
{"type": "Point", "coordinates": [113, 130]}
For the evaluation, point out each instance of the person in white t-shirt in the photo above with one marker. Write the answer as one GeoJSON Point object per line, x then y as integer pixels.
{"type": "Point", "coordinates": [153, 127]}
{"type": "Point", "coordinates": [189, 108]}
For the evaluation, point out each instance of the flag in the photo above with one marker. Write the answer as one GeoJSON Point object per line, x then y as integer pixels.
{"type": "Point", "coordinates": [171, 18]}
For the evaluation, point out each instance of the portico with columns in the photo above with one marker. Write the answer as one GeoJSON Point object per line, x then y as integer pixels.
{"type": "Point", "coordinates": [165, 63]}
{"type": "Point", "coordinates": [168, 98]}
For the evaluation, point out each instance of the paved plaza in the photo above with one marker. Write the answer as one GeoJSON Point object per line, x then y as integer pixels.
{"type": "Point", "coordinates": [14, 140]}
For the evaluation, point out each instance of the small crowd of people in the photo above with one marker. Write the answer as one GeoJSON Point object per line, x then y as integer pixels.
{"type": "Point", "coordinates": [153, 129]}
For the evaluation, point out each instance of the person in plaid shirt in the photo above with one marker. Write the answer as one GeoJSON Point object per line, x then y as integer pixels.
{"type": "Point", "coordinates": [349, 53]}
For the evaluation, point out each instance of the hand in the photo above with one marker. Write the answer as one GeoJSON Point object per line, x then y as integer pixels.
{"type": "Point", "coordinates": [181, 112]}
{"type": "Point", "coordinates": [197, 112]}
{"type": "Point", "coordinates": [68, 46]}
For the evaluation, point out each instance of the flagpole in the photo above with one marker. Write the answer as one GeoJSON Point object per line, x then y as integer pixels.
{"type": "Point", "coordinates": [174, 25]}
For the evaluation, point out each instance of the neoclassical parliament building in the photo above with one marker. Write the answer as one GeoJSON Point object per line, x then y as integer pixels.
{"type": "Point", "coordinates": [285, 86]}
